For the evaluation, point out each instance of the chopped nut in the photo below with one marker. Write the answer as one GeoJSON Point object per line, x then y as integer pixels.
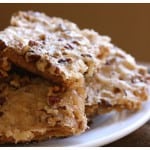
{"type": "Point", "coordinates": [86, 55]}
{"type": "Point", "coordinates": [76, 42]}
{"type": "Point", "coordinates": [25, 49]}
{"type": "Point", "coordinates": [41, 65]}
{"type": "Point", "coordinates": [2, 100]}
{"type": "Point", "coordinates": [19, 45]}
{"type": "Point", "coordinates": [56, 55]}
{"type": "Point", "coordinates": [57, 71]}
{"type": "Point", "coordinates": [68, 60]}
{"type": "Point", "coordinates": [53, 100]}
{"type": "Point", "coordinates": [137, 79]}
{"type": "Point", "coordinates": [2, 45]}
{"type": "Point", "coordinates": [32, 43]}
{"type": "Point", "coordinates": [64, 53]}
{"type": "Point", "coordinates": [142, 71]}
{"type": "Point", "coordinates": [42, 37]}
{"type": "Point", "coordinates": [136, 93]}
{"type": "Point", "coordinates": [120, 78]}
{"type": "Point", "coordinates": [62, 49]}
{"type": "Point", "coordinates": [63, 107]}
{"type": "Point", "coordinates": [107, 63]}
{"type": "Point", "coordinates": [48, 65]}
{"type": "Point", "coordinates": [103, 52]}
{"type": "Point", "coordinates": [116, 90]}
{"type": "Point", "coordinates": [60, 39]}
{"type": "Point", "coordinates": [68, 46]}
{"type": "Point", "coordinates": [110, 61]}
{"type": "Point", "coordinates": [32, 57]}
{"type": "Point", "coordinates": [105, 103]}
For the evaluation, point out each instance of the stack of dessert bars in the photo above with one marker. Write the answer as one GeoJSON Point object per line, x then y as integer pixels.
{"type": "Point", "coordinates": [54, 77]}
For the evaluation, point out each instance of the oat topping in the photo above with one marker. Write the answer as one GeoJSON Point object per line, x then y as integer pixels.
{"type": "Point", "coordinates": [58, 45]}
{"type": "Point", "coordinates": [53, 100]}
{"type": "Point", "coordinates": [118, 80]}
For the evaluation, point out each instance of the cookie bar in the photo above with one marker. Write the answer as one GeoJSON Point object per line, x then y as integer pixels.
{"type": "Point", "coordinates": [51, 47]}
{"type": "Point", "coordinates": [32, 109]}
{"type": "Point", "coordinates": [118, 84]}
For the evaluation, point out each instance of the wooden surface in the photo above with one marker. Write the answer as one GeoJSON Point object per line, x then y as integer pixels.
{"type": "Point", "coordinates": [139, 138]}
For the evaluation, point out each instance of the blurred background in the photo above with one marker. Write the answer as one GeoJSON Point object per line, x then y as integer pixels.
{"type": "Point", "coordinates": [127, 24]}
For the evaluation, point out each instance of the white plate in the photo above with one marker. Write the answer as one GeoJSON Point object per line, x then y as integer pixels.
{"type": "Point", "coordinates": [105, 129]}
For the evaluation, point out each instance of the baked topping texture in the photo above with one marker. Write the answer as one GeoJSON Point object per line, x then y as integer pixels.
{"type": "Point", "coordinates": [119, 83]}
{"type": "Point", "coordinates": [52, 47]}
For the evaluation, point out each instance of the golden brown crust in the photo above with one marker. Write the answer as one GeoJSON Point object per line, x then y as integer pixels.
{"type": "Point", "coordinates": [19, 59]}
{"type": "Point", "coordinates": [59, 132]}
{"type": "Point", "coordinates": [32, 109]}
{"type": "Point", "coordinates": [100, 109]}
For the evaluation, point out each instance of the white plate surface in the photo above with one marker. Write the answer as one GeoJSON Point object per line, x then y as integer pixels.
{"type": "Point", "coordinates": [105, 129]}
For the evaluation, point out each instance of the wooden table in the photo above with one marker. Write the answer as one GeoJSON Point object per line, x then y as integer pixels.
{"type": "Point", "coordinates": [139, 138]}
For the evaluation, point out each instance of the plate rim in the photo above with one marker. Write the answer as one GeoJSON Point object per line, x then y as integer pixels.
{"type": "Point", "coordinates": [118, 135]}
